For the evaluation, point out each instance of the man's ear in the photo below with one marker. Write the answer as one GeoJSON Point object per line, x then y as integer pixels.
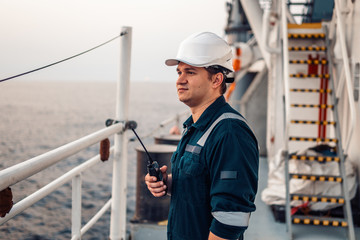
{"type": "Point", "coordinates": [217, 80]}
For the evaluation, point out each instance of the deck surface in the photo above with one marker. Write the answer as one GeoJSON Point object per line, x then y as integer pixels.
{"type": "Point", "coordinates": [262, 223]}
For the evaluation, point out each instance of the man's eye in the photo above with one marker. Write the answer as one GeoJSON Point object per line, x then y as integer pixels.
{"type": "Point", "coordinates": [191, 73]}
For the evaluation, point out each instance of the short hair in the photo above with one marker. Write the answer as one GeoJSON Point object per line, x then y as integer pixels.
{"type": "Point", "coordinates": [212, 70]}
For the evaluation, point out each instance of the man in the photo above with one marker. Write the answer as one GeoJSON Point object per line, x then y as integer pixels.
{"type": "Point", "coordinates": [215, 167]}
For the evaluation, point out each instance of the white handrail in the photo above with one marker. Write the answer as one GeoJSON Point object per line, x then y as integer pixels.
{"type": "Point", "coordinates": [49, 188]}
{"type": "Point", "coordinates": [285, 50]}
{"type": "Point", "coordinates": [34, 165]}
{"type": "Point", "coordinates": [346, 67]}
{"type": "Point", "coordinates": [285, 69]}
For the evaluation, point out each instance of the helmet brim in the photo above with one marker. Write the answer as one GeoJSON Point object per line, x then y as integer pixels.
{"type": "Point", "coordinates": [176, 61]}
{"type": "Point", "coordinates": [172, 62]}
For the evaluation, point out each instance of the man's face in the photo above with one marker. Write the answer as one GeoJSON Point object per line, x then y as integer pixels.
{"type": "Point", "coordinates": [193, 85]}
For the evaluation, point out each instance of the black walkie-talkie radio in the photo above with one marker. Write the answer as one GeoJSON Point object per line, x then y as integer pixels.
{"type": "Point", "coordinates": [152, 166]}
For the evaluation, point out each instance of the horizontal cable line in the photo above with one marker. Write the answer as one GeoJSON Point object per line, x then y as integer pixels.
{"type": "Point", "coordinates": [52, 64]}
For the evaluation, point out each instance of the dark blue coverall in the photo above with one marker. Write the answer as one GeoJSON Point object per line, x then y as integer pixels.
{"type": "Point", "coordinates": [214, 182]}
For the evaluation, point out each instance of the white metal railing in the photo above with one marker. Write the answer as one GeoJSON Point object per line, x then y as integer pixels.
{"type": "Point", "coordinates": [346, 69]}
{"type": "Point", "coordinates": [285, 50]}
{"type": "Point", "coordinates": [25, 169]}
{"type": "Point", "coordinates": [285, 68]}
{"type": "Point", "coordinates": [49, 188]}
{"type": "Point", "coordinates": [34, 165]}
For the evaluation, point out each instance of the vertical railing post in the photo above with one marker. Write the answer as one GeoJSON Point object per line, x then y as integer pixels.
{"type": "Point", "coordinates": [285, 52]}
{"type": "Point", "coordinates": [119, 182]}
{"type": "Point", "coordinates": [76, 207]}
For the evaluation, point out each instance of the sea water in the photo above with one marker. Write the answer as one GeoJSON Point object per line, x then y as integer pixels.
{"type": "Point", "coordinates": [36, 117]}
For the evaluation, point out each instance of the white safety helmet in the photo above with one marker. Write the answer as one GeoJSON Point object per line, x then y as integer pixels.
{"type": "Point", "coordinates": [204, 49]}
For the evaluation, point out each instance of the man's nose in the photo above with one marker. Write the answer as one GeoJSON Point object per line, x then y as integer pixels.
{"type": "Point", "coordinates": [181, 79]}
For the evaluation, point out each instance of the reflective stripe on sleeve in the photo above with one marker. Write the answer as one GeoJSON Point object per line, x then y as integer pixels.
{"type": "Point", "coordinates": [193, 149]}
{"type": "Point", "coordinates": [237, 219]}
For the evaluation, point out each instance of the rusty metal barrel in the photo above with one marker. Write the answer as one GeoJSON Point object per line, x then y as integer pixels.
{"type": "Point", "coordinates": [171, 139]}
{"type": "Point", "coordinates": [148, 208]}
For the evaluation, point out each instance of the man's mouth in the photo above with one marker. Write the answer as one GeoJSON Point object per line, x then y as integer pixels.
{"type": "Point", "coordinates": [182, 89]}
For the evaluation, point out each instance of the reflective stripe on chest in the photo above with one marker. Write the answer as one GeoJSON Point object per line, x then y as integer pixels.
{"type": "Point", "coordinates": [201, 142]}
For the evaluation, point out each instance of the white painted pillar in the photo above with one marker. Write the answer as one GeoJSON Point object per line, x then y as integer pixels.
{"type": "Point", "coordinates": [119, 183]}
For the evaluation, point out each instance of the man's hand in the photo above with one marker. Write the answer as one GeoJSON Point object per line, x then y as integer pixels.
{"type": "Point", "coordinates": [6, 202]}
{"type": "Point", "coordinates": [158, 189]}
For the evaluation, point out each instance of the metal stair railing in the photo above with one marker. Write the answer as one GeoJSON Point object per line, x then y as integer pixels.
{"type": "Point", "coordinates": [340, 150]}
{"type": "Point", "coordinates": [285, 52]}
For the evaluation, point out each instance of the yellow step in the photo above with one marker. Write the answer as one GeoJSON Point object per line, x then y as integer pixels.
{"type": "Point", "coordinates": [319, 221]}
{"type": "Point", "coordinates": [305, 25]}
{"type": "Point", "coordinates": [314, 158]}
{"type": "Point", "coordinates": [309, 139]}
{"type": "Point", "coordinates": [321, 178]}
{"type": "Point", "coordinates": [317, 198]}
{"type": "Point", "coordinates": [300, 75]}
{"type": "Point", "coordinates": [310, 90]}
{"type": "Point", "coordinates": [312, 106]}
{"type": "Point", "coordinates": [323, 62]}
{"type": "Point", "coordinates": [308, 48]}
{"type": "Point", "coordinates": [306, 35]}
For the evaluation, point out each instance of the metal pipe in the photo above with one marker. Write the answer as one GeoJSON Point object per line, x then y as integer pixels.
{"type": "Point", "coordinates": [254, 15]}
{"type": "Point", "coordinates": [49, 188]}
{"type": "Point", "coordinates": [346, 67]}
{"type": "Point", "coordinates": [285, 69]}
{"type": "Point", "coordinates": [119, 183]}
{"type": "Point", "coordinates": [287, 109]}
{"type": "Point", "coordinates": [344, 189]}
{"type": "Point", "coordinates": [76, 206]}
{"type": "Point", "coordinates": [34, 165]}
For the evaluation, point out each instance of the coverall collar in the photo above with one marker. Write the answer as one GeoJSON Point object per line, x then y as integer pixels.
{"type": "Point", "coordinates": [207, 116]}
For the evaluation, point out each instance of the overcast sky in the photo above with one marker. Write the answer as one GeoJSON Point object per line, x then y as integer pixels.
{"type": "Point", "coordinates": [35, 33]}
